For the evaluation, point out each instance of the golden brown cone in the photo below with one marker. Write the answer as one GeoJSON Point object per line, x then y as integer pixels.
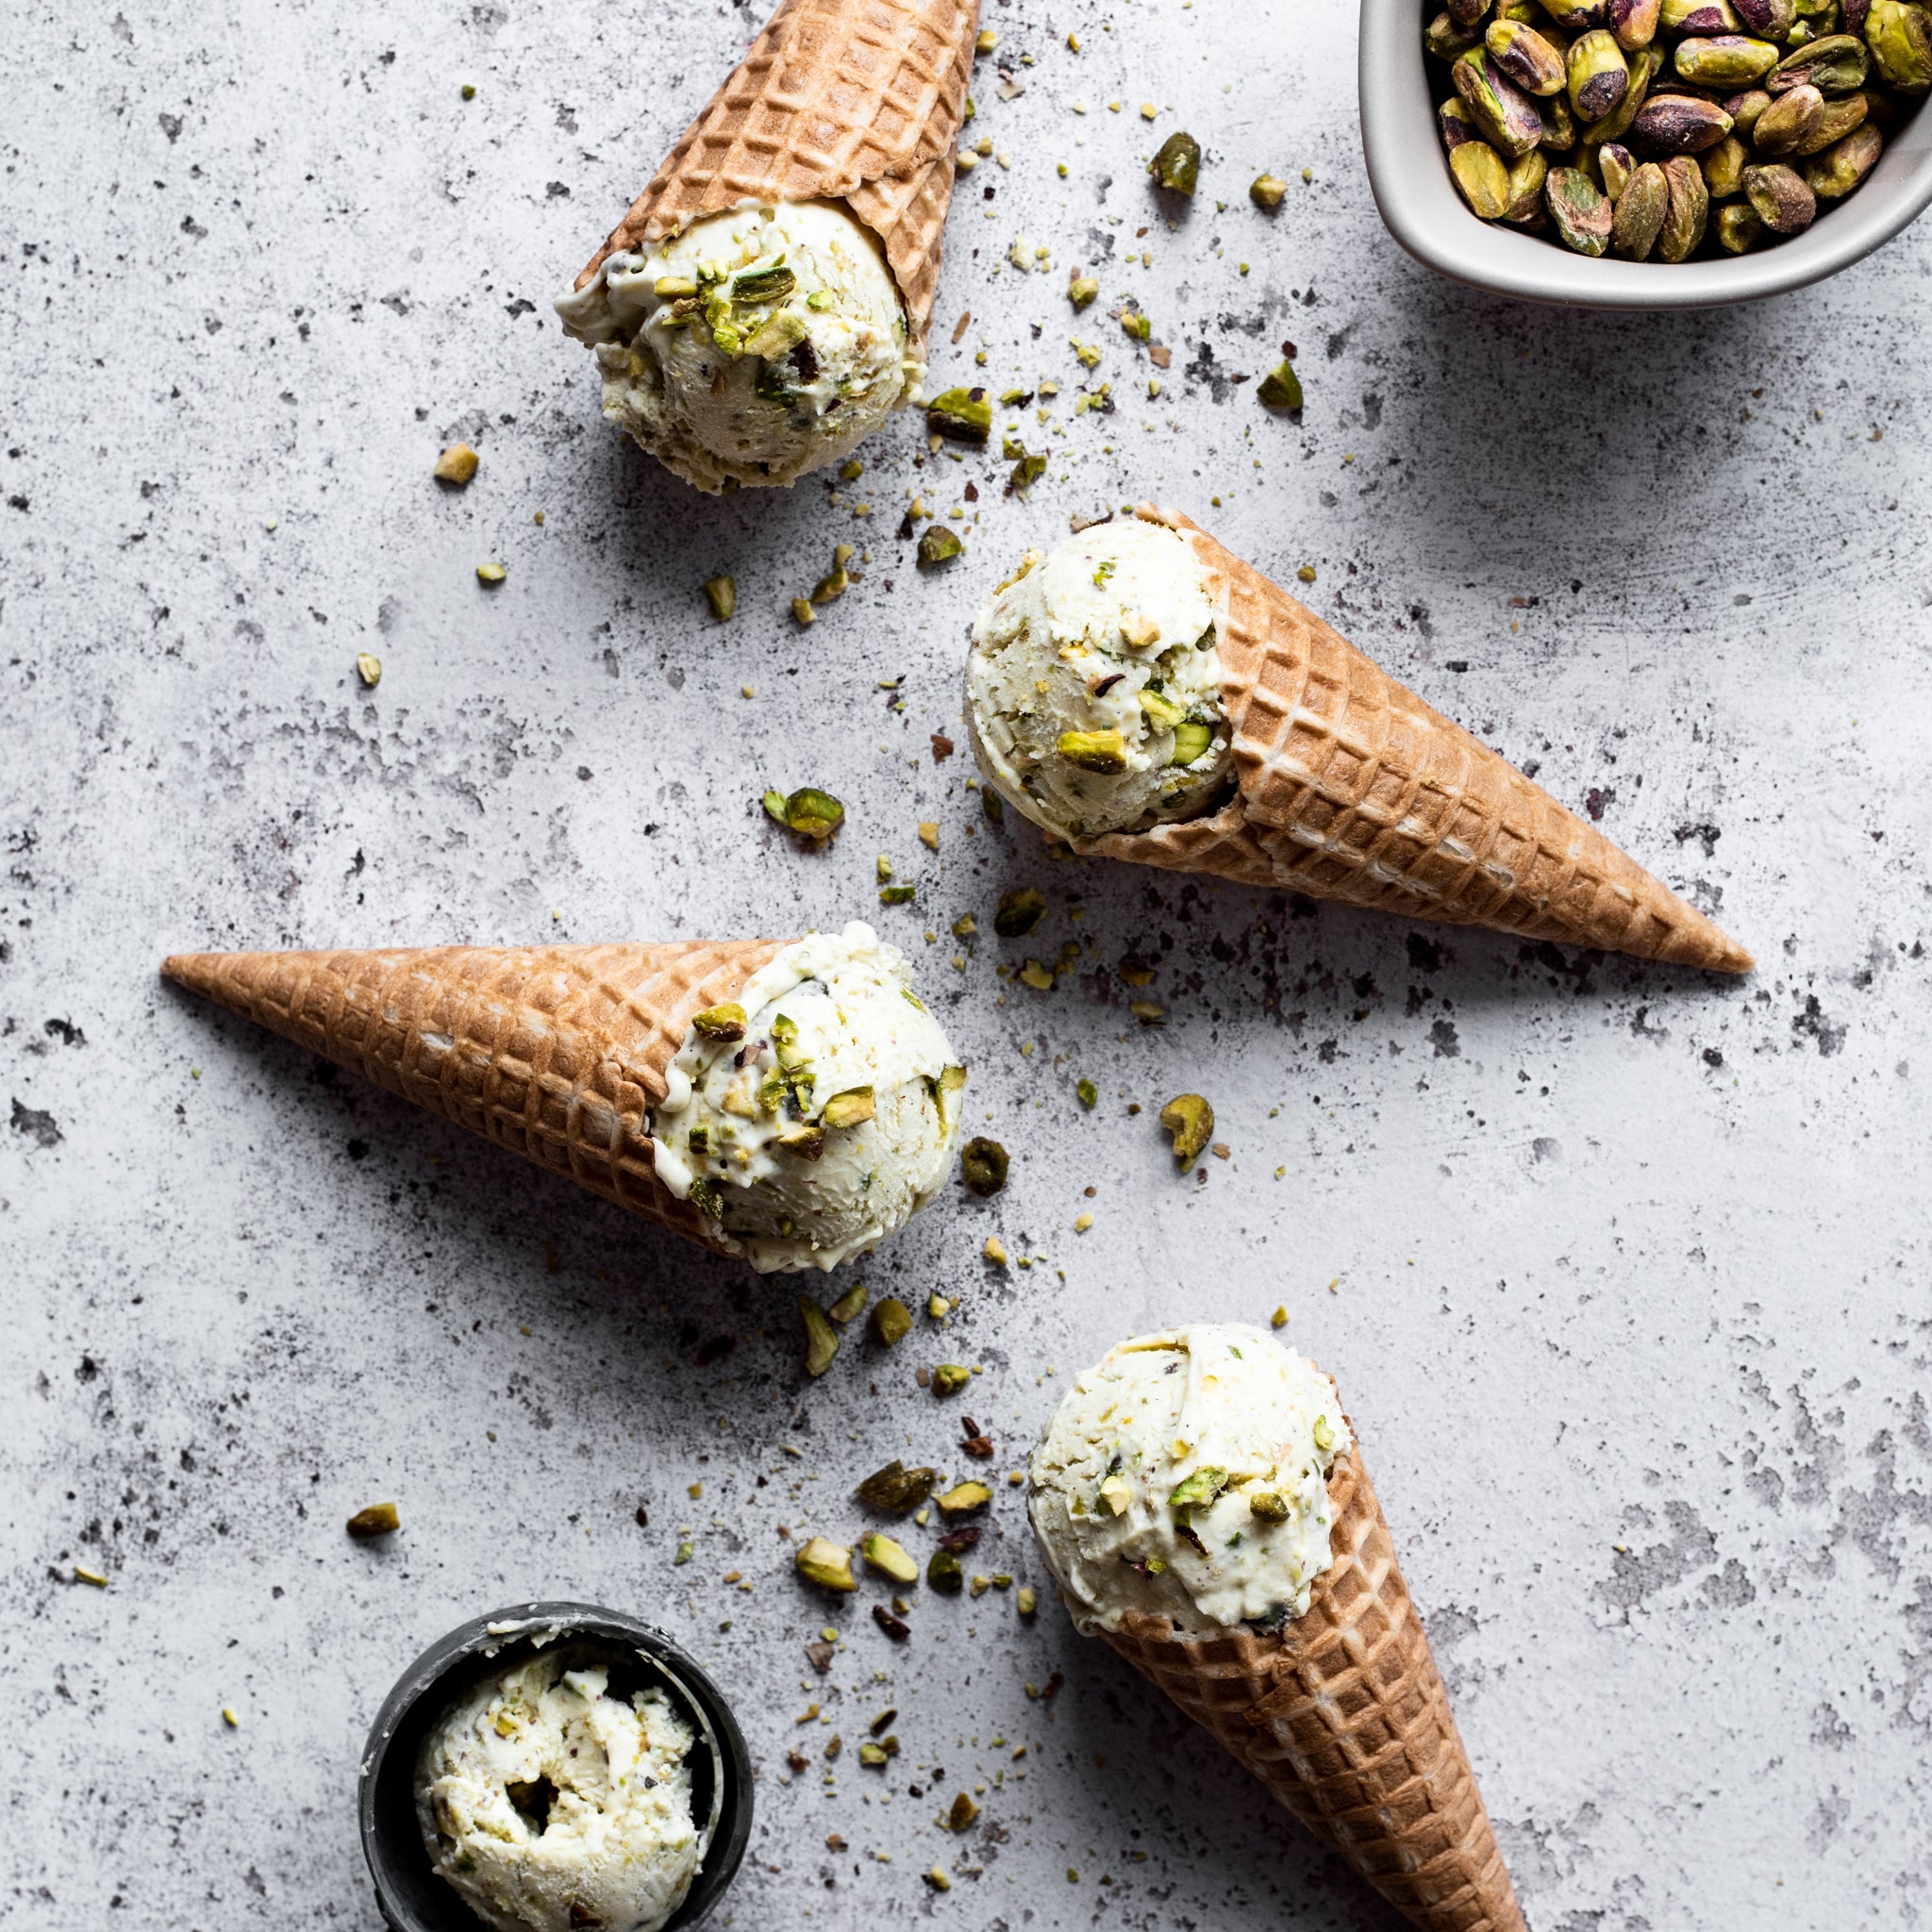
{"type": "Point", "coordinates": [555, 1052]}
{"type": "Point", "coordinates": [1350, 788]}
{"type": "Point", "coordinates": [1342, 1715]}
{"type": "Point", "coordinates": [859, 101]}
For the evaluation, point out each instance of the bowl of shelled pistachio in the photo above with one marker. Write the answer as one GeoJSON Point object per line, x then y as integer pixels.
{"type": "Point", "coordinates": [1646, 154]}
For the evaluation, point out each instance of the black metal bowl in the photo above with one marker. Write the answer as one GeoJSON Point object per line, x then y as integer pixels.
{"type": "Point", "coordinates": [412, 1897]}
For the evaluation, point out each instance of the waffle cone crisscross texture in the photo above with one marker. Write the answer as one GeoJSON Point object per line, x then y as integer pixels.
{"type": "Point", "coordinates": [556, 1052]}
{"type": "Point", "coordinates": [1342, 1715]}
{"type": "Point", "coordinates": [1352, 788]}
{"type": "Point", "coordinates": [858, 101]}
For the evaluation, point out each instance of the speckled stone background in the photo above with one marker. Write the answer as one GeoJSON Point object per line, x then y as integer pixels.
{"type": "Point", "coordinates": [1621, 1272]}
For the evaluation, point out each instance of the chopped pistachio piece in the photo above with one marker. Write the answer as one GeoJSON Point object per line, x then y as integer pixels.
{"type": "Point", "coordinates": [1189, 1120]}
{"type": "Point", "coordinates": [883, 1555]}
{"type": "Point", "coordinates": [810, 812]}
{"type": "Point", "coordinates": [820, 1337]}
{"type": "Point", "coordinates": [850, 1109]}
{"type": "Point", "coordinates": [896, 1489]}
{"type": "Point", "coordinates": [963, 1498]}
{"type": "Point", "coordinates": [1094, 751]}
{"type": "Point", "coordinates": [763, 284]}
{"type": "Point", "coordinates": [369, 669]}
{"type": "Point", "coordinates": [942, 1574]}
{"type": "Point", "coordinates": [850, 1304]}
{"type": "Point", "coordinates": [1281, 388]}
{"type": "Point", "coordinates": [827, 1564]}
{"type": "Point", "coordinates": [891, 1322]}
{"type": "Point", "coordinates": [962, 415]}
{"type": "Point", "coordinates": [491, 572]}
{"type": "Point", "coordinates": [948, 1379]}
{"type": "Point", "coordinates": [938, 546]}
{"type": "Point", "coordinates": [1324, 1433]}
{"type": "Point", "coordinates": [725, 1022]}
{"type": "Point", "coordinates": [1081, 289]}
{"type": "Point", "coordinates": [721, 593]}
{"type": "Point", "coordinates": [1190, 742]}
{"type": "Point", "coordinates": [1116, 1492]}
{"type": "Point", "coordinates": [938, 1306]}
{"type": "Point", "coordinates": [380, 1519]}
{"type": "Point", "coordinates": [1269, 1505]}
{"type": "Point", "coordinates": [962, 1813]}
{"type": "Point", "coordinates": [1026, 1599]}
{"type": "Point", "coordinates": [897, 895]}
{"type": "Point", "coordinates": [1265, 191]}
{"type": "Point", "coordinates": [872, 1756]}
{"type": "Point", "coordinates": [802, 610]}
{"type": "Point", "coordinates": [1278, 1319]}
{"type": "Point", "coordinates": [457, 464]}
{"type": "Point", "coordinates": [670, 288]}
{"type": "Point", "coordinates": [1195, 1491]}
{"type": "Point", "coordinates": [1178, 165]}
{"type": "Point", "coordinates": [1089, 1092]}
{"type": "Point", "coordinates": [1019, 913]}
{"type": "Point", "coordinates": [983, 1166]}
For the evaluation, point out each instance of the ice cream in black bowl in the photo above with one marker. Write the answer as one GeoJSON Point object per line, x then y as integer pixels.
{"type": "Point", "coordinates": [554, 1767]}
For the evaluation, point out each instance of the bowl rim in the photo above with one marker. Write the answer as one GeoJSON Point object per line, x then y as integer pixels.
{"type": "Point", "coordinates": [423, 1689]}
{"type": "Point", "coordinates": [1421, 210]}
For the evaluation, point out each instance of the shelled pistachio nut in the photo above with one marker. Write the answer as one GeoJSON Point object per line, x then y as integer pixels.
{"type": "Point", "coordinates": [1785, 206]}
{"type": "Point", "coordinates": [1739, 228]}
{"type": "Point", "coordinates": [1448, 39]}
{"type": "Point", "coordinates": [1841, 117]}
{"type": "Point", "coordinates": [1525, 210]}
{"type": "Point", "coordinates": [1900, 37]}
{"type": "Point", "coordinates": [1689, 211]}
{"type": "Point", "coordinates": [1834, 174]}
{"type": "Point", "coordinates": [1526, 57]}
{"type": "Point", "coordinates": [1635, 22]}
{"type": "Point", "coordinates": [1480, 173]}
{"type": "Point", "coordinates": [1578, 16]}
{"type": "Point", "coordinates": [1789, 123]}
{"type": "Point", "coordinates": [1559, 124]}
{"type": "Point", "coordinates": [1678, 125]}
{"type": "Point", "coordinates": [1770, 19]}
{"type": "Point", "coordinates": [1641, 209]}
{"type": "Point", "coordinates": [1615, 164]}
{"type": "Point", "coordinates": [1746, 109]}
{"type": "Point", "coordinates": [1456, 125]}
{"type": "Point", "coordinates": [1723, 168]}
{"type": "Point", "coordinates": [1506, 115]}
{"type": "Point", "coordinates": [1597, 73]}
{"type": "Point", "coordinates": [1724, 61]}
{"type": "Point", "coordinates": [1699, 17]}
{"type": "Point", "coordinates": [1838, 64]}
{"type": "Point", "coordinates": [1582, 216]}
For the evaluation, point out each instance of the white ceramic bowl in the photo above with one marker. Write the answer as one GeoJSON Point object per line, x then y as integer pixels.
{"type": "Point", "coordinates": [1419, 201]}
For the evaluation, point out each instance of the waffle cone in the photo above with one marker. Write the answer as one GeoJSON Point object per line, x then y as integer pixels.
{"type": "Point", "coordinates": [859, 101]}
{"type": "Point", "coordinates": [556, 1052]}
{"type": "Point", "coordinates": [1350, 788]}
{"type": "Point", "coordinates": [1342, 1715]}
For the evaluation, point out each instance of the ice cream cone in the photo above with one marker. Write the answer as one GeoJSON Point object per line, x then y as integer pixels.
{"type": "Point", "coordinates": [1350, 788]}
{"type": "Point", "coordinates": [858, 101]}
{"type": "Point", "coordinates": [1342, 1714]}
{"type": "Point", "coordinates": [556, 1052]}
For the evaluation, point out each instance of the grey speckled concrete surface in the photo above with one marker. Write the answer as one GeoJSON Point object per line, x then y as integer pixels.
{"type": "Point", "coordinates": [1630, 1267]}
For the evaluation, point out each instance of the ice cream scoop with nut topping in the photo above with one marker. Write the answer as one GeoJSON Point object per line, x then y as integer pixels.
{"type": "Point", "coordinates": [548, 1803]}
{"type": "Point", "coordinates": [758, 344]}
{"type": "Point", "coordinates": [1187, 1476]}
{"type": "Point", "coordinates": [1093, 686]}
{"type": "Point", "coordinates": [817, 1112]}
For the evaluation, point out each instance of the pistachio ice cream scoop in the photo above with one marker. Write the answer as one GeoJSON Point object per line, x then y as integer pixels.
{"type": "Point", "coordinates": [549, 1803]}
{"type": "Point", "coordinates": [1187, 1476]}
{"type": "Point", "coordinates": [1093, 686]}
{"type": "Point", "coordinates": [758, 344]}
{"type": "Point", "coordinates": [816, 1112]}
